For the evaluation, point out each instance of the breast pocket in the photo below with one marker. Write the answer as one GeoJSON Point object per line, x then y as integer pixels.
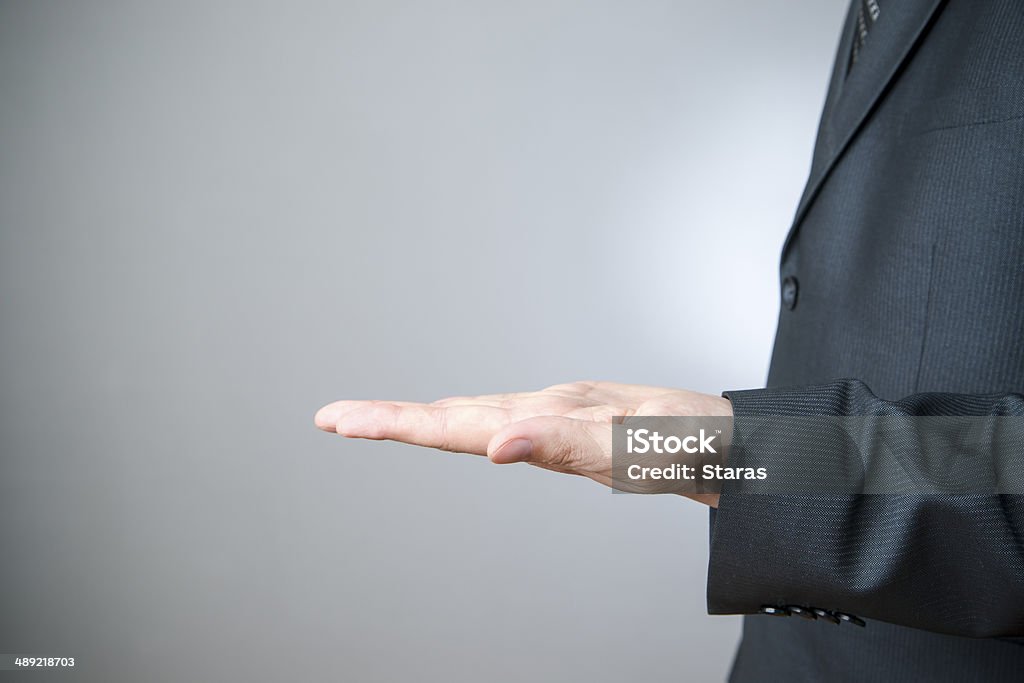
{"type": "Point", "coordinates": [966, 108]}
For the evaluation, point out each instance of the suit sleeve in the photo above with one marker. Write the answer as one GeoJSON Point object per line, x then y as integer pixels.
{"type": "Point", "coordinates": [945, 562]}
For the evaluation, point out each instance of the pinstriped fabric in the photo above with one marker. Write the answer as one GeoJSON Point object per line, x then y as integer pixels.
{"type": "Point", "coordinates": [910, 264]}
{"type": "Point", "coordinates": [853, 397]}
{"type": "Point", "coordinates": [917, 561]}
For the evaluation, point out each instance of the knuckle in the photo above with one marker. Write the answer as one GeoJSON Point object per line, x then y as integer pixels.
{"type": "Point", "coordinates": [570, 387]}
{"type": "Point", "coordinates": [565, 453]}
{"type": "Point", "coordinates": [444, 442]}
{"type": "Point", "coordinates": [450, 400]}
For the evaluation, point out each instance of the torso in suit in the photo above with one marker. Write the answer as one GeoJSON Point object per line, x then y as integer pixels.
{"type": "Point", "coordinates": [903, 275]}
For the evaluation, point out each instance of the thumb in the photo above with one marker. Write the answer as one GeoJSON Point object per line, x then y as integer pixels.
{"type": "Point", "coordinates": [562, 442]}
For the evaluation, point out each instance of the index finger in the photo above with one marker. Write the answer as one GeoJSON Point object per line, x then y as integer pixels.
{"type": "Point", "coordinates": [464, 429]}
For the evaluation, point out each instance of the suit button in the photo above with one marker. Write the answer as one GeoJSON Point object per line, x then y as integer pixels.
{"type": "Point", "coordinates": [790, 288]}
{"type": "Point", "coordinates": [826, 615]}
{"type": "Point", "coordinates": [775, 611]}
{"type": "Point", "coordinates": [856, 621]}
{"type": "Point", "coordinates": [798, 611]}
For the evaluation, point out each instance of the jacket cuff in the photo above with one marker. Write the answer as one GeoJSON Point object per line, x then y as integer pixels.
{"type": "Point", "coordinates": [760, 542]}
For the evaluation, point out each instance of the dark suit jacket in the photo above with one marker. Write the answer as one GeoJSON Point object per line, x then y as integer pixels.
{"type": "Point", "coordinates": [903, 294]}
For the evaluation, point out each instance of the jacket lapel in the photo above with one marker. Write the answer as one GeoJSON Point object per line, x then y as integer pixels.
{"type": "Point", "coordinates": [852, 96]}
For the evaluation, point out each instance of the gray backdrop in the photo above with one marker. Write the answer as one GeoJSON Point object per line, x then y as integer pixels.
{"type": "Point", "coordinates": [216, 216]}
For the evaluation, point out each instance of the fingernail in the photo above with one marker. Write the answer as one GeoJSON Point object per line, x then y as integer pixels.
{"type": "Point", "coordinates": [326, 417]}
{"type": "Point", "coordinates": [515, 450]}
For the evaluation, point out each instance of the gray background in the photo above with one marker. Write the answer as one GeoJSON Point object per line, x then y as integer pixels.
{"type": "Point", "coordinates": [216, 216]}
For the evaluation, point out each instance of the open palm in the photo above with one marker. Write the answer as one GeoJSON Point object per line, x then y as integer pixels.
{"type": "Point", "coordinates": [566, 427]}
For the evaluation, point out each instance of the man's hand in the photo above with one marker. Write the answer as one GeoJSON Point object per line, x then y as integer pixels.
{"type": "Point", "coordinates": [565, 428]}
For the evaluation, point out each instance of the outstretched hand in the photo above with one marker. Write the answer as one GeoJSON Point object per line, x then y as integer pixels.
{"type": "Point", "coordinates": [566, 428]}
